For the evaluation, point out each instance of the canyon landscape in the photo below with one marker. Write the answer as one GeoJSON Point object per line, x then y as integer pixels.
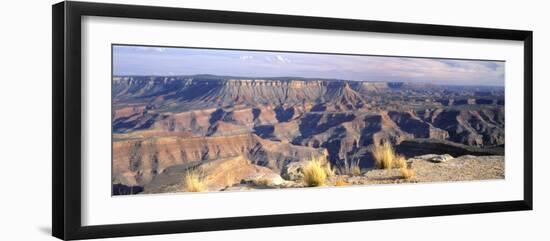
{"type": "Point", "coordinates": [174, 132]}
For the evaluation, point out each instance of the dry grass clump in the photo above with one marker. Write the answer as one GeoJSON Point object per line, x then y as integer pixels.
{"type": "Point", "coordinates": [329, 171]}
{"type": "Point", "coordinates": [340, 182]}
{"type": "Point", "coordinates": [401, 162]}
{"type": "Point", "coordinates": [328, 168]}
{"type": "Point", "coordinates": [355, 169]}
{"type": "Point", "coordinates": [315, 172]}
{"type": "Point", "coordinates": [194, 181]}
{"type": "Point", "coordinates": [385, 156]}
{"type": "Point", "coordinates": [407, 173]}
{"type": "Point", "coordinates": [350, 168]}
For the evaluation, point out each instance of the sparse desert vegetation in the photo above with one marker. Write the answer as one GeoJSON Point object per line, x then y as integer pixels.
{"type": "Point", "coordinates": [350, 168]}
{"type": "Point", "coordinates": [384, 155]}
{"type": "Point", "coordinates": [340, 182]}
{"type": "Point", "coordinates": [194, 181]}
{"type": "Point", "coordinates": [355, 170]}
{"type": "Point", "coordinates": [329, 170]}
{"type": "Point", "coordinates": [424, 168]}
{"type": "Point", "coordinates": [386, 158]}
{"type": "Point", "coordinates": [408, 173]}
{"type": "Point", "coordinates": [401, 161]}
{"type": "Point", "coordinates": [315, 172]}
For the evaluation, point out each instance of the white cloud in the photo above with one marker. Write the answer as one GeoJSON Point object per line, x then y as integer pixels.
{"type": "Point", "coordinates": [283, 59]}
{"type": "Point", "coordinates": [266, 64]}
{"type": "Point", "coordinates": [246, 57]}
{"type": "Point", "coordinates": [277, 59]}
{"type": "Point", "coordinates": [156, 49]}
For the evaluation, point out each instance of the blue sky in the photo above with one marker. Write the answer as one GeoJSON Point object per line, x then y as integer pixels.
{"type": "Point", "coordinates": [137, 60]}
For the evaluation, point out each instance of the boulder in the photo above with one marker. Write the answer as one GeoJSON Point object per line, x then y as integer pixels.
{"type": "Point", "coordinates": [434, 158]}
{"type": "Point", "coordinates": [263, 179]}
{"type": "Point", "coordinates": [293, 171]}
{"type": "Point", "coordinates": [441, 158]}
{"type": "Point", "coordinates": [238, 188]}
{"type": "Point", "coordinates": [216, 175]}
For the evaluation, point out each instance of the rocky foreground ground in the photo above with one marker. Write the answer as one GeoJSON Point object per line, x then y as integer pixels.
{"type": "Point", "coordinates": [463, 168]}
{"type": "Point", "coordinates": [236, 174]}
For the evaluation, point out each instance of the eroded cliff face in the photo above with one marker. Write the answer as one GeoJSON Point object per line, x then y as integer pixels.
{"type": "Point", "coordinates": [475, 127]}
{"type": "Point", "coordinates": [136, 161]}
{"type": "Point", "coordinates": [185, 93]}
{"type": "Point", "coordinates": [160, 122]}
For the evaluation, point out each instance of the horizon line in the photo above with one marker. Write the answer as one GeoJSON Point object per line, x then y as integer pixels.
{"type": "Point", "coordinates": [302, 78]}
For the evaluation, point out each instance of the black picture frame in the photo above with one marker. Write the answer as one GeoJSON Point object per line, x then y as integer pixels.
{"type": "Point", "coordinates": [66, 158]}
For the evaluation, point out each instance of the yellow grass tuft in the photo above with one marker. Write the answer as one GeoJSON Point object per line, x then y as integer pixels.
{"type": "Point", "coordinates": [407, 173]}
{"type": "Point", "coordinates": [384, 156]}
{"type": "Point", "coordinates": [314, 173]}
{"type": "Point", "coordinates": [355, 169]}
{"type": "Point", "coordinates": [350, 168]}
{"type": "Point", "coordinates": [340, 182]}
{"type": "Point", "coordinates": [194, 181]}
{"type": "Point", "coordinates": [401, 161]}
{"type": "Point", "coordinates": [329, 170]}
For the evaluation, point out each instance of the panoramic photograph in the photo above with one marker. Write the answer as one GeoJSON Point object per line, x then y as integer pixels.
{"type": "Point", "coordinates": [187, 120]}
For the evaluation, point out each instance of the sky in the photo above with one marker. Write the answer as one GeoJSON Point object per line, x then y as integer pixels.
{"type": "Point", "coordinates": [141, 60]}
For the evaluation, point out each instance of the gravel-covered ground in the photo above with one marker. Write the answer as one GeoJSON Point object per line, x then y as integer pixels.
{"type": "Point", "coordinates": [464, 168]}
{"type": "Point", "coordinates": [426, 168]}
